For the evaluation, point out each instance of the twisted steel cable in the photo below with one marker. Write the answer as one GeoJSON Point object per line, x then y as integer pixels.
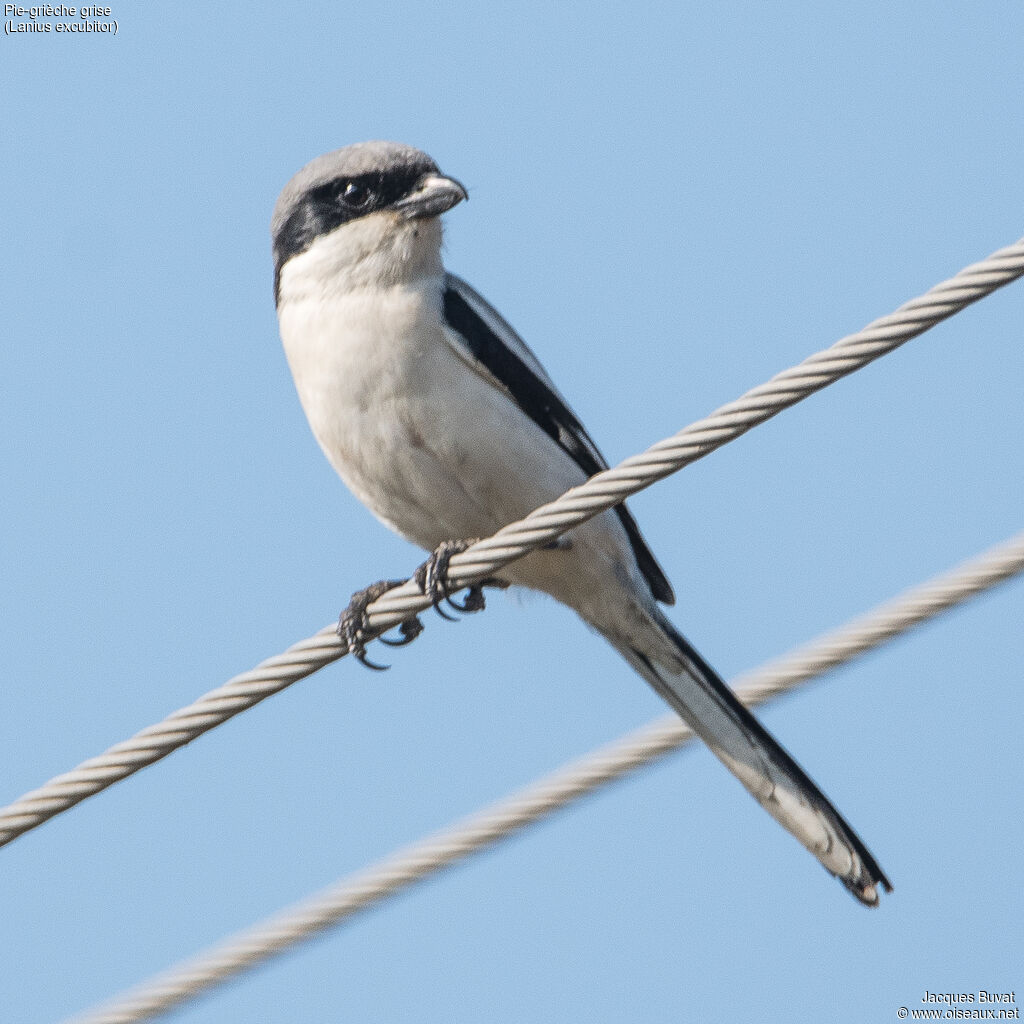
{"type": "Point", "coordinates": [373, 884]}
{"type": "Point", "coordinates": [542, 526]}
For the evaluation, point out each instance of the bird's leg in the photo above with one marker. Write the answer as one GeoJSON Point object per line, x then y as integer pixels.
{"type": "Point", "coordinates": [432, 577]}
{"type": "Point", "coordinates": [353, 626]}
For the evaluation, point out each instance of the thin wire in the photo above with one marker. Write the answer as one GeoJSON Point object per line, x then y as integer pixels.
{"type": "Point", "coordinates": [346, 897]}
{"type": "Point", "coordinates": [542, 526]}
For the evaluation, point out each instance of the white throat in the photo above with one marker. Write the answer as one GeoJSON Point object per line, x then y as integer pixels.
{"type": "Point", "coordinates": [381, 250]}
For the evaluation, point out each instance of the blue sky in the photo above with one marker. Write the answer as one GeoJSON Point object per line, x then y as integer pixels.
{"type": "Point", "coordinates": [671, 204]}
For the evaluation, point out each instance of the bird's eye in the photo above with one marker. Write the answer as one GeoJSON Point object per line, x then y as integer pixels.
{"type": "Point", "coordinates": [355, 195]}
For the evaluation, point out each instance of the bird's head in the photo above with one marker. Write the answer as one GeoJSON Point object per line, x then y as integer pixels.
{"type": "Point", "coordinates": [365, 214]}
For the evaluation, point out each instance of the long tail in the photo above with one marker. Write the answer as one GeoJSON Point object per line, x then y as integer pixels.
{"type": "Point", "coordinates": [691, 687]}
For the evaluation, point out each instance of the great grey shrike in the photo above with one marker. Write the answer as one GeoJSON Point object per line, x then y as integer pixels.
{"type": "Point", "coordinates": [445, 425]}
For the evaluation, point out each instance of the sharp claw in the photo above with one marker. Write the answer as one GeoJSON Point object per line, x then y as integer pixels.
{"type": "Point", "coordinates": [352, 624]}
{"type": "Point", "coordinates": [351, 632]}
{"type": "Point", "coordinates": [473, 601]}
{"type": "Point", "coordinates": [432, 578]}
{"type": "Point", "coordinates": [437, 595]}
{"type": "Point", "coordinates": [364, 660]}
{"type": "Point", "coordinates": [410, 629]}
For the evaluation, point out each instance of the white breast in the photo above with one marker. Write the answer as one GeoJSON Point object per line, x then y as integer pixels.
{"type": "Point", "coordinates": [430, 446]}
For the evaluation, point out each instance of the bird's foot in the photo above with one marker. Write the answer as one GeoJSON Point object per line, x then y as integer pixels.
{"type": "Point", "coordinates": [432, 577]}
{"type": "Point", "coordinates": [354, 629]}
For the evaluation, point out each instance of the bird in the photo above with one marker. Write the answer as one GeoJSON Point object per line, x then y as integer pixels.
{"type": "Point", "coordinates": [440, 419]}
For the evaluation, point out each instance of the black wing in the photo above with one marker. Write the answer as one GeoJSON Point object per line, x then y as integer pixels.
{"type": "Point", "coordinates": [491, 342]}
